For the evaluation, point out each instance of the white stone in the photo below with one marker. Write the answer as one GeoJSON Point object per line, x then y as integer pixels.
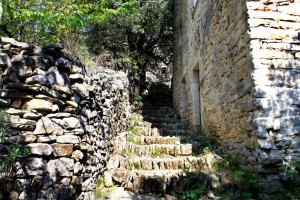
{"type": "Point", "coordinates": [48, 126]}
{"type": "Point", "coordinates": [38, 104]}
{"type": "Point", "coordinates": [108, 179]}
{"type": "Point", "coordinates": [40, 149]}
{"type": "Point", "coordinates": [68, 139]}
{"type": "Point", "coordinates": [71, 123]}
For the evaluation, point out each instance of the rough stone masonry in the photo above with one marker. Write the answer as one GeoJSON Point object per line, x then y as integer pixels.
{"type": "Point", "coordinates": [237, 77]}
{"type": "Point", "coordinates": [65, 116]}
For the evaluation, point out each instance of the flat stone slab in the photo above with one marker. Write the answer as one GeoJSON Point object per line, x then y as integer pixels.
{"type": "Point", "coordinates": [121, 194]}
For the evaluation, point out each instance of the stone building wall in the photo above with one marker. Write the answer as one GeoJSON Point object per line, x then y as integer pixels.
{"type": "Point", "coordinates": [66, 117]}
{"type": "Point", "coordinates": [274, 28]}
{"type": "Point", "coordinates": [247, 56]}
{"type": "Point", "coordinates": [212, 76]}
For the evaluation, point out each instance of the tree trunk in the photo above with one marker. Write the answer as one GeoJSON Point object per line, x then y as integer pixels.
{"type": "Point", "coordinates": [1, 10]}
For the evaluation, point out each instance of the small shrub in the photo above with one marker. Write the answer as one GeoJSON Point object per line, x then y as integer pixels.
{"type": "Point", "coordinates": [156, 153]}
{"type": "Point", "coordinates": [292, 184]}
{"type": "Point", "coordinates": [102, 192]}
{"type": "Point", "coordinates": [9, 155]}
{"type": "Point", "coordinates": [190, 188]}
{"type": "Point", "coordinates": [243, 183]}
{"type": "Point", "coordinates": [206, 150]}
{"type": "Point", "coordinates": [202, 141]}
{"type": "Point", "coordinates": [133, 139]}
{"type": "Point", "coordinates": [135, 165]}
{"type": "Point", "coordinates": [127, 153]}
{"type": "Point", "coordinates": [137, 101]}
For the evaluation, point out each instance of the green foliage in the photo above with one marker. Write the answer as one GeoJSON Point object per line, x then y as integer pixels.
{"type": "Point", "coordinates": [3, 125]}
{"type": "Point", "coordinates": [127, 153]}
{"type": "Point", "coordinates": [133, 139]}
{"type": "Point", "coordinates": [190, 188]}
{"type": "Point", "coordinates": [137, 101]}
{"type": "Point", "coordinates": [14, 151]}
{"type": "Point", "coordinates": [135, 121]}
{"type": "Point", "coordinates": [101, 192]}
{"type": "Point", "coordinates": [134, 128]}
{"type": "Point", "coordinates": [230, 163]}
{"type": "Point", "coordinates": [44, 21]}
{"type": "Point", "coordinates": [138, 40]}
{"type": "Point", "coordinates": [206, 150]}
{"type": "Point", "coordinates": [135, 131]}
{"type": "Point", "coordinates": [243, 183]}
{"type": "Point", "coordinates": [192, 194]}
{"type": "Point", "coordinates": [292, 184]}
{"type": "Point", "coordinates": [135, 166]}
{"type": "Point", "coordinates": [156, 153]}
{"type": "Point", "coordinates": [204, 143]}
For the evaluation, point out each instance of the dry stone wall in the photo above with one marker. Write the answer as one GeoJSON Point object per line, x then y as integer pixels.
{"type": "Point", "coordinates": [241, 57]}
{"type": "Point", "coordinates": [274, 28]}
{"type": "Point", "coordinates": [66, 117]}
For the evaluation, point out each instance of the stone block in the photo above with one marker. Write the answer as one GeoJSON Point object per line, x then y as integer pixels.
{"type": "Point", "coordinates": [61, 150]}
{"type": "Point", "coordinates": [65, 139]}
{"type": "Point", "coordinates": [38, 104]}
{"type": "Point", "coordinates": [40, 149]}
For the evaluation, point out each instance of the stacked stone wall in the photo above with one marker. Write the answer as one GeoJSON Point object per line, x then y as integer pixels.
{"type": "Point", "coordinates": [247, 55]}
{"type": "Point", "coordinates": [65, 116]}
{"type": "Point", "coordinates": [274, 28]}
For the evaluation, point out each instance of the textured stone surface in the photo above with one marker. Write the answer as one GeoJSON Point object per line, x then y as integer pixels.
{"type": "Point", "coordinates": [212, 76]}
{"type": "Point", "coordinates": [71, 139]}
{"type": "Point", "coordinates": [242, 58]}
{"type": "Point", "coordinates": [21, 124]}
{"type": "Point", "coordinates": [38, 104]}
{"type": "Point", "coordinates": [54, 107]}
{"type": "Point", "coordinates": [62, 149]}
{"type": "Point", "coordinates": [4, 60]}
{"type": "Point", "coordinates": [40, 149]}
{"type": "Point", "coordinates": [35, 166]}
{"type": "Point", "coordinates": [48, 126]}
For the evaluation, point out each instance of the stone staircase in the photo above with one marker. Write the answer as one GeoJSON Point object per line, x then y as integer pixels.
{"type": "Point", "coordinates": [150, 156]}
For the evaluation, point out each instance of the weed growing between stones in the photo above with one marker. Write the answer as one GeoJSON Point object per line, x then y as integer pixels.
{"type": "Point", "coordinates": [242, 184]}
{"type": "Point", "coordinates": [135, 166]}
{"type": "Point", "coordinates": [101, 191]}
{"type": "Point", "coordinates": [291, 172]}
{"type": "Point", "coordinates": [135, 131]}
{"type": "Point", "coordinates": [202, 142]}
{"type": "Point", "coordinates": [133, 139]}
{"type": "Point", "coordinates": [134, 128]}
{"type": "Point", "coordinates": [189, 188]}
{"type": "Point", "coordinates": [235, 184]}
{"type": "Point", "coordinates": [156, 153]}
{"type": "Point", "coordinates": [10, 153]}
{"type": "Point", "coordinates": [127, 153]}
{"type": "Point", "coordinates": [137, 102]}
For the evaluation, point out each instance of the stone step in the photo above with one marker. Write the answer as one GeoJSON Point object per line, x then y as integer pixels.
{"type": "Point", "coordinates": [162, 182]}
{"type": "Point", "coordinates": [160, 109]}
{"type": "Point", "coordinates": [146, 140]}
{"type": "Point", "coordinates": [172, 126]}
{"type": "Point", "coordinates": [192, 163]}
{"type": "Point", "coordinates": [119, 193]}
{"type": "Point", "coordinates": [156, 150]}
{"type": "Point", "coordinates": [178, 132]}
{"type": "Point", "coordinates": [161, 120]}
{"type": "Point", "coordinates": [147, 131]}
{"type": "Point", "coordinates": [148, 181]}
{"type": "Point", "coordinates": [159, 113]}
